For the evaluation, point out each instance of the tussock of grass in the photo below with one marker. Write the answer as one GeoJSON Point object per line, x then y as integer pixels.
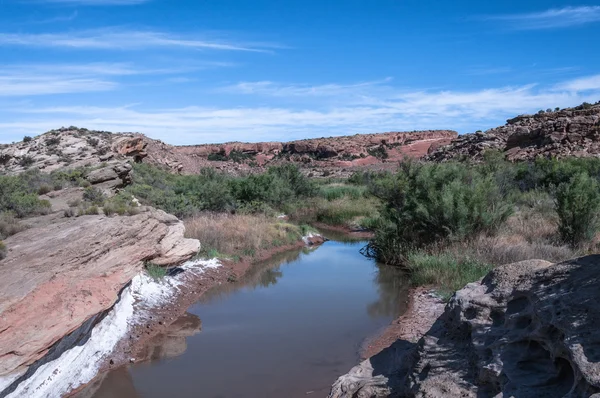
{"type": "Point", "coordinates": [337, 191]}
{"type": "Point", "coordinates": [3, 250]}
{"type": "Point", "coordinates": [236, 235]}
{"type": "Point", "coordinates": [9, 225]}
{"type": "Point", "coordinates": [155, 271]}
{"type": "Point", "coordinates": [444, 270]}
{"type": "Point", "coordinates": [343, 211]}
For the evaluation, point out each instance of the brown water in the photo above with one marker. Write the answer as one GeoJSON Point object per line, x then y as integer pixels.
{"type": "Point", "coordinates": [288, 329]}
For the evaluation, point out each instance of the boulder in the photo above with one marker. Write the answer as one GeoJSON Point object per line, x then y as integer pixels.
{"type": "Point", "coordinates": [528, 329]}
{"type": "Point", "coordinates": [58, 275]}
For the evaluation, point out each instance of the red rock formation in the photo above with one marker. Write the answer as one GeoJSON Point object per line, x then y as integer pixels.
{"type": "Point", "coordinates": [337, 152]}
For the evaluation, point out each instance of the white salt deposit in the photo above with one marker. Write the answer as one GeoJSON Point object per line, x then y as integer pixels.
{"type": "Point", "coordinates": [79, 365]}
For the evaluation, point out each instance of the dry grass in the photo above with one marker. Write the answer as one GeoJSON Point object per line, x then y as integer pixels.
{"type": "Point", "coordinates": [239, 235]}
{"type": "Point", "coordinates": [342, 211]}
{"type": "Point", "coordinates": [9, 225]}
{"type": "Point", "coordinates": [528, 234]}
{"type": "Point", "coordinates": [531, 233]}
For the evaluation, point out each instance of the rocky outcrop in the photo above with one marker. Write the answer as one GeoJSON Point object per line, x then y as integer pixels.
{"type": "Point", "coordinates": [527, 329]}
{"type": "Point", "coordinates": [563, 133]}
{"type": "Point", "coordinates": [74, 147]}
{"type": "Point", "coordinates": [59, 274]}
{"type": "Point", "coordinates": [70, 148]}
{"type": "Point", "coordinates": [333, 152]}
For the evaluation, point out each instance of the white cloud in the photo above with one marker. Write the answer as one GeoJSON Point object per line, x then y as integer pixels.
{"type": "Point", "coordinates": [553, 18]}
{"type": "Point", "coordinates": [581, 84]}
{"type": "Point", "coordinates": [106, 39]}
{"type": "Point", "coordinates": [385, 108]}
{"type": "Point", "coordinates": [12, 85]}
{"type": "Point", "coordinates": [297, 90]}
{"type": "Point", "coordinates": [43, 79]}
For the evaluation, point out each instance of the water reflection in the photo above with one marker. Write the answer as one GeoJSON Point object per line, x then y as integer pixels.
{"type": "Point", "coordinates": [170, 343]}
{"type": "Point", "coordinates": [290, 326]}
{"type": "Point", "coordinates": [392, 285]}
{"type": "Point", "coordinates": [263, 275]}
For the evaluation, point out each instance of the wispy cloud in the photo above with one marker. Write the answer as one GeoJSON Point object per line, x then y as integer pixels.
{"type": "Point", "coordinates": [298, 90]}
{"type": "Point", "coordinates": [105, 39]}
{"type": "Point", "coordinates": [12, 85]}
{"type": "Point", "coordinates": [397, 110]}
{"type": "Point", "coordinates": [581, 85]}
{"type": "Point", "coordinates": [43, 79]}
{"type": "Point", "coordinates": [553, 18]}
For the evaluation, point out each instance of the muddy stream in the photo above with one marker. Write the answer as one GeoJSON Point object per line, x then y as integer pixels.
{"type": "Point", "coordinates": [288, 328]}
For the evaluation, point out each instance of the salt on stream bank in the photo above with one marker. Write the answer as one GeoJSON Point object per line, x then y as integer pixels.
{"type": "Point", "coordinates": [77, 358]}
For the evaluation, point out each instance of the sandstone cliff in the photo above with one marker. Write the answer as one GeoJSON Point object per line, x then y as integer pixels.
{"type": "Point", "coordinates": [528, 329]}
{"type": "Point", "coordinates": [567, 132]}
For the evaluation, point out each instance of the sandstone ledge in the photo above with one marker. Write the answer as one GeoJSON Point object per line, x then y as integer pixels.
{"type": "Point", "coordinates": [57, 276]}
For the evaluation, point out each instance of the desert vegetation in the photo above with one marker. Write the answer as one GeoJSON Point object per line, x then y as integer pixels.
{"type": "Point", "coordinates": [241, 217]}
{"type": "Point", "coordinates": [281, 189]}
{"type": "Point", "coordinates": [450, 223]}
{"type": "Point", "coordinates": [241, 236]}
{"type": "Point", "coordinates": [447, 223]}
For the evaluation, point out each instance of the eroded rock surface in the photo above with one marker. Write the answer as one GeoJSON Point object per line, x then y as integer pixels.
{"type": "Point", "coordinates": [57, 275]}
{"type": "Point", "coordinates": [528, 329]}
{"type": "Point", "coordinates": [563, 133]}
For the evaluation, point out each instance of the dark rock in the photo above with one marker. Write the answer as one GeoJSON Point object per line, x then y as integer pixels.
{"type": "Point", "coordinates": [526, 330]}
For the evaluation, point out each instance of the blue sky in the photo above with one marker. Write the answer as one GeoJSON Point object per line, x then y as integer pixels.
{"type": "Point", "coordinates": [191, 72]}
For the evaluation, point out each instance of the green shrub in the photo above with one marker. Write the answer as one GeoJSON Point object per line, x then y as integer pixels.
{"type": "Point", "coordinates": [93, 142]}
{"type": "Point", "coordinates": [577, 205]}
{"type": "Point", "coordinates": [379, 152]}
{"type": "Point", "coordinates": [53, 141]}
{"type": "Point", "coordinates": [120, 204]}
{"type": "Point", "coordinates": [444, 271]}
{"type": "Point", "coordinates": [9, 225]}
{"type": "Point", "coordinates": [339, 191]}
{"type": "Point", "coordinates": [217, 157]}
{"type": "Point", "coordinates": [432, 203]}
{"type": "Point", "coordinates": [70, 212]}
{"type": "Point", "coordinates": [94, 195]}
{"type": "Point", "coordinates": [3, 250]}
{"type": "Point", "coordinates": [89, 211]}
{"type": "Point", "coordinates": [26, 161]}
{"type": "Point", "coordinates": [18, 194]}
{"type": "Point", "coordinates": [155, 271]}
{"type": "Point", "coordinates": [44, 189]}
{"type": "Point", "coordinates": [27, 139]}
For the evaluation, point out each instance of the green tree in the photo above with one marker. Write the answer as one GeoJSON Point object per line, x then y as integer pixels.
{"type": "Point", "coordinates": [577, 205]}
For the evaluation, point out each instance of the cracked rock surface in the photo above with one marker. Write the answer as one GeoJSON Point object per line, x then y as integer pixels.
{"type": "Point", "coordinates": [528, 329]}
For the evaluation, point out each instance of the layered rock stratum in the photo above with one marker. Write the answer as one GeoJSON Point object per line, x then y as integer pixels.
{"type": "Point", "coordinates": [74, 147]}
{"type": "Point", "coordinates": [61, 272]}
{"type": "Point", "coordinates": [528, 329]}
{"type": "Point", "coordinates": [571, 132]}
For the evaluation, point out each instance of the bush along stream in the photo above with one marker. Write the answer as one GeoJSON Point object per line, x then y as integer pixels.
{"type": "Point", "coordinates": [451, 223]}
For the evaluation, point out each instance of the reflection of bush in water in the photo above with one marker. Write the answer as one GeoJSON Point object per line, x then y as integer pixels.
{"type": "Point", "coordinates": [270, 277]}
{"type": "Point", "coordinates": [263, 274]}
{"type": "Point", "coordinates": [392, 285]}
